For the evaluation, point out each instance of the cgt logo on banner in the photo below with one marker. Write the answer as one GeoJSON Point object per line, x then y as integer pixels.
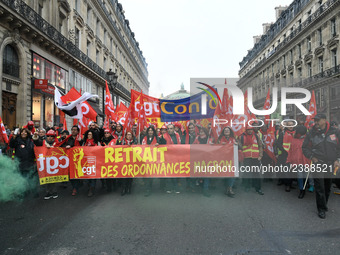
{"type": "Point", "coordinates": [52, 164]}
{"type": "Point", "coordinates": [85, 166]}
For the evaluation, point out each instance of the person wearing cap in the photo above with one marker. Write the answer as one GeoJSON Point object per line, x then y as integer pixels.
{"type": "Point", "coordinates": [253, 152]}
{"type": "Point", "coordinates": [322, 146]}
{"type": "Point", "coordinates": [30, 127]}
{"type": "Point", "coordinates": [49, 142]}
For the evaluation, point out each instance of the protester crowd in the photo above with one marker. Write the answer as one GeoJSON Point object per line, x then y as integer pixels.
{"type": "Point", "coordinates": [299, 145]}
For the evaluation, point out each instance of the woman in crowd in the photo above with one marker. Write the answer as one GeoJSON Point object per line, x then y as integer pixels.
{"type": "Point", "coordinates": [127, 182]}
{"type": "Point", "coordinates": [227, 137]}
{"type": "Point", "coordinates": [89, 141]}
{"type": "Point", "coordinates": [150, 139]}
{"type": "Point", "coordinates": [24, 151]}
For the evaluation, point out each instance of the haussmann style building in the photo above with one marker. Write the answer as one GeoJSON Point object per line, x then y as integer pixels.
{"type": "Point", "coordinates": [77, 44]}
{"type": "Point", "coordinates": [300, 49]}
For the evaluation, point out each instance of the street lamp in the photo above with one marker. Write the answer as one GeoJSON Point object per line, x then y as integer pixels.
{"type": "Point", "coordinates": [112, 78]}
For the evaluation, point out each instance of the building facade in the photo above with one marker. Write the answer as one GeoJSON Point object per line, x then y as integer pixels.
{"type": "Point", "coordinates": [300, 49]}
{"type": "Point", "coordinates": [71, 44]}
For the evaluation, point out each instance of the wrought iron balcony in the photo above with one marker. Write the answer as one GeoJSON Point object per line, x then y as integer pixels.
{"type": "Point", "coordinates": [36, 21]}
{"type": "Point", "coordinates": [279, 25]}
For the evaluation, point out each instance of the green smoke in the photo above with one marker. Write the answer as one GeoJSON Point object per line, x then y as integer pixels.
{"type": "Point", "coordinates": [14, 186]}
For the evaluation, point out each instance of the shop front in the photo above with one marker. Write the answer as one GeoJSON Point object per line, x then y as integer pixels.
{"type": "Point", "coordinates": [44, 112]}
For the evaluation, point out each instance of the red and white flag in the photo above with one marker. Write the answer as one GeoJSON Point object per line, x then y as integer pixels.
{"type": "Point", "coordinates": [74, 104]}
{"type": "Point", "coordinates": [312, 110]}
{"type": "Point", "coordinates": [109, 107]}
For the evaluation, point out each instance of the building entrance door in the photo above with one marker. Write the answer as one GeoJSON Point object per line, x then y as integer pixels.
{"type": "Point", "coordinates": [9, 103]}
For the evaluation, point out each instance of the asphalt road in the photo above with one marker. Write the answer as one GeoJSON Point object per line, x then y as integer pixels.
{"type": "Point", "coordinates": [187, 223]}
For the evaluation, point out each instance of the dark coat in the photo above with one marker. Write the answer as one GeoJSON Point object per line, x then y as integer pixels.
{"type": "Point", "coordinates": [24, 151]}
{"type": "Point", "coordinates": [322, 144]}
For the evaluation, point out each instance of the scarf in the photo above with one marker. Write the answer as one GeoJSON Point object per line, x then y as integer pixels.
{"type": "Point", "coordinates": [90, 142]}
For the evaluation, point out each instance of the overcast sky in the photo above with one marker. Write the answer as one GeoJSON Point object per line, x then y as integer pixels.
{"type": "Point", "coordinates": [183, 39]}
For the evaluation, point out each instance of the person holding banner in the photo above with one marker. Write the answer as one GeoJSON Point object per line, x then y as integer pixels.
{"type": "Point", "coordinates": [322, 146]}
{"type": "Point", "coordinates": [49, 142]}
{"type": "Point", "coordinates": [252, 152]}
{"type": "Point", "coordinates": [109, 140]}
{"type": "Point", "coordinates": [227, 137]}
{"type": "Point", "coordinates": [90, 141]}
{"type": "Point", "coordinates": [150, 139]}
{"type": "Point", "coordinates": [202, 138]}
{"type": "Point", "coordinates": [189, 138]}
{"type": "Point", "coordinates": [127, 182]}
{"type": "Point", "coordinates": [171, 137]}
{"type": "Point", "coordinates": [70, 141]}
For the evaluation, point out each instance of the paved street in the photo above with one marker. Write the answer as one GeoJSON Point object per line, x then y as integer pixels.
{"type": "Point", "coordinates": [186, 223]}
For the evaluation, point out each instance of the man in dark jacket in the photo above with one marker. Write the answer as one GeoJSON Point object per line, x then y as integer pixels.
{"type": "Point", "coordinates": [322, 146]}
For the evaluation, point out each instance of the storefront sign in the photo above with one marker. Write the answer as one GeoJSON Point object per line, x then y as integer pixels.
{"type": "Point", "coordinates": [40, 84]}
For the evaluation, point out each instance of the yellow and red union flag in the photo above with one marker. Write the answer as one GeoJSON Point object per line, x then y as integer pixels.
{"type": "Point", "coordinates": [52, 164]}
{"type": "Point", "coordinates": [3, 132]}
{"type": "Point", "coordinates": [312, 110]}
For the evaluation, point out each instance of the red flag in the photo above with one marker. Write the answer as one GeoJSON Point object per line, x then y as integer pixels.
{"type": "Point", "coordinates": [312, 110]}
{"type": "Point", "coordinates": [141, 114]}
{"type": "Point", "coordinates": [109, 107]}
{"type": "Point", "coordinates": [3, 132]}
{"type": "Point", "coordinates": [240, 121]}
{"type": "Point", "coordinates": [151, 104]}
{"type": "Point", "coordinates": [129, 121]}
{"type": "Point", "coordinates": [64, 124]}
{"type": "Point", "coordinates": [87, 109]}
{"type": "Point", "coordinates": [121, 112]}
{"type": "Point", "coordinates": [83, 125]}
{"type": "Point", "coordinates": [221, 112]}
{"type": "Point", "coordinates": [266, 106]}
{"type": "Point", "coordinates": [269, 139]}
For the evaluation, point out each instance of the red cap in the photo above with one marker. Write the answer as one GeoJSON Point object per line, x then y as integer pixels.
{"type": "Point", "coordinates": [30, 123]}
{"type": "Point", "coordinates": [50, 133]}
{"type": "Point", "coordinates": [164, 127]}
{"type": "Point", "coordinates": [107, 130]}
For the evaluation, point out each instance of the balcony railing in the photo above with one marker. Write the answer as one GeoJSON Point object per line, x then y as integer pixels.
{"type": "Point", "coordinates": [28, 14]}
{"type": "Point", "coordinates": [267, 38]}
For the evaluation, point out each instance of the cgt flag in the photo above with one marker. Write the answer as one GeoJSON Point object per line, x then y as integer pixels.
{"type": "Point", "coordinates": [109, 107]}
{"type": "Point", "coordinates": [312, 110]}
